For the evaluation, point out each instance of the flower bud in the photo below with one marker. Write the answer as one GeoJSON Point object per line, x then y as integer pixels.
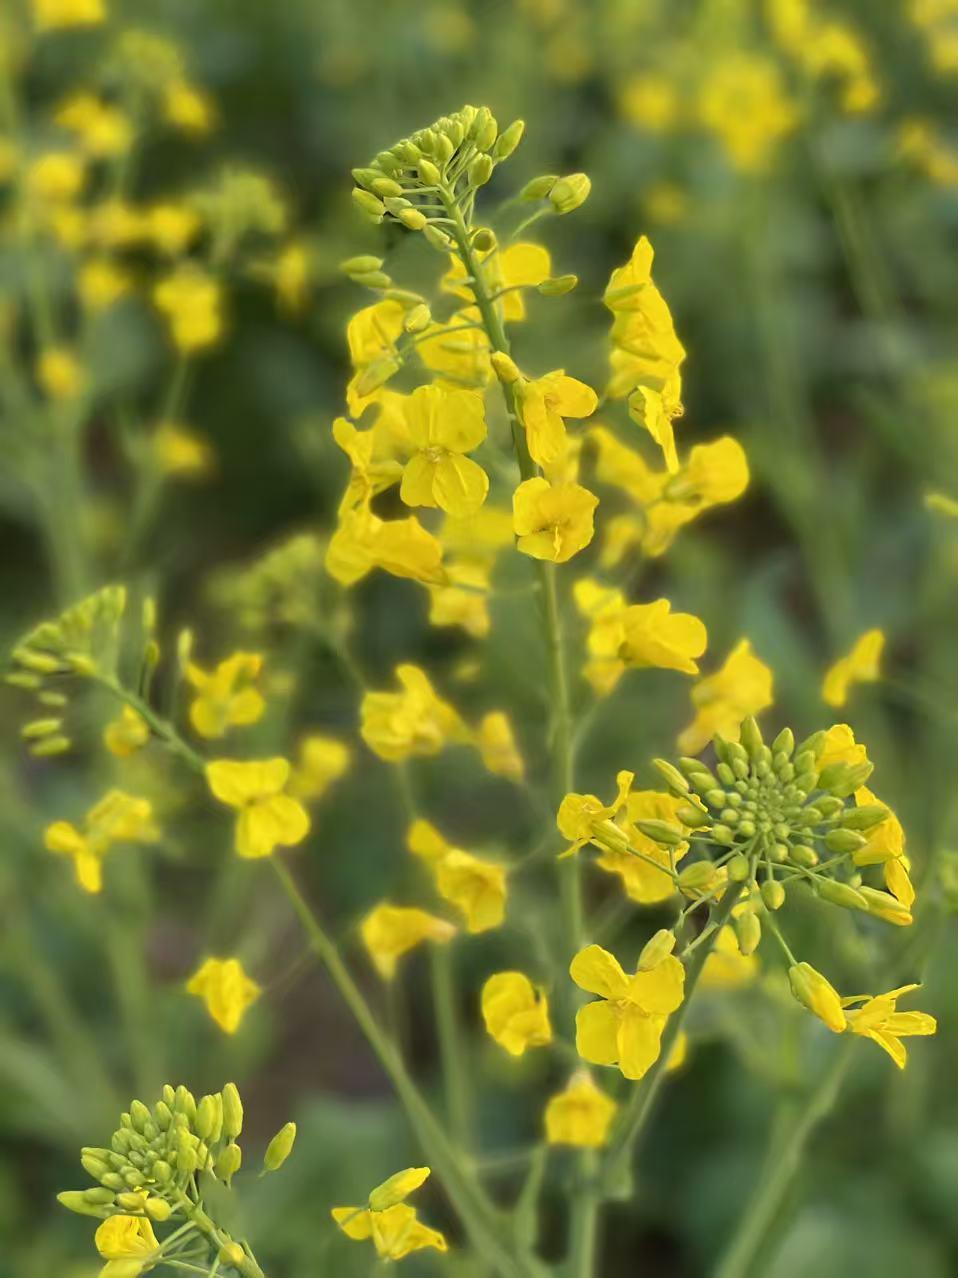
{"type": "Point", "coordinates": [570, 192]}
{"type": "Point", "coordinates": [484, 240]}
{"type": "Point", "coordinates": [692, 816]}
{"type": "Point", "coordinates": [397, 1188]}
{"type": "Point", "coordinates": [657, 948]}
{"type": "Point", "coordinates": [279, 1148]}
{"type": "Point", "coordinates": [232, 1112]}
{"type": "Point", "coordinates": [784, 743]}
{"type": "Point", "coordinates": [843, 779]}
{"type": "Point", "coordinates": [49, 746]}
{"type": "Point", "coordinates": [412, 219]}
{"type": "Point", "coordinates": [232, 1253]}
{"type": "Point", "coordinates": [366, 177]}
{"type": "Point", "coordinates": [376, 374]}
{"type": "Point", "coordinates": [842, 841]}
{"type": "Point", "coordinates": [672, 776]}
{"type": "Point", "coordinates": [738, 868]}
{"type": "Point", "coordinates": [840, 894]}
{"type": "Point", "coordinates": [538, 188]}
{"type": "Point", "coordinates": [699, 879]}
{"type": "Point", "coordinates": [360, 265]}
{"type": "Point", "coordinates": [162, 1171]}
{"type": "Point", "coordinates": [372, 279]}
{"type": "Point", "coordinates": [205, 1115]}
{"type": "Point", "coordinates": [418, 319]}
{"type": "Point", "coordinates": [773, 894]}
{"type": "Point", "coordinates": [76, 1200]}
{"type": "Point", "coordinates": [865, 817]}
{"type": "Point", "coordinates": [506, 368]}
{"type": "Point", "coordinates": [802, 854]}
{"type": "Point", "coordinates": [437, 238]}
{"type": "Point", "coordinates": [818, 995]}
{"type": "Point", "coordinates": [558, 286]}
{"type": "Point", "coordinates": [94, 1167]}
{"type": "Point", "coordinates": [661, 832]}
{"type": "Point", "coordinates": [428, 173]}
{"type": "Point", "coordinates": [750, 735]}
{"type": "Point", "coordinates": [748, 929]}
{"type": "Point", "coordinates": [158, 1209]}
{"type": "Point", "coordinates": [882, 905]}
{"type": "Point", "coordinates": [508, 140]}
{"type": "Point", "coordinates": [480, 170]}
{"type": "Point", "coordinates": [368, 205]}
{"type": "Point", "coordinates": [386, 187]}
{"type": "Point", "coordinates": [229, 1162]}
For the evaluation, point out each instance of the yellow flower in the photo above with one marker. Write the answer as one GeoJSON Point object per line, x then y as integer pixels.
{"type": "Point", "coordinates": [388, 1220]}
{"type": "Point", "coordinates": [389, 931]}
{"type": "Point", "coordinates": [415, 721]}
{"type": "Point", "coordinates": [180, 452]}
{"type": "Point", "coordinates": [125, 734]}
{"type": "Point", "coordinates": [516, 267]}
{"type": "Point", "coordinates": [371, 335]}
{"type": "Point", "coordinates": [102, 129]}
{"type": "Point", "coordinates": [714, 474]}
{"type": "Point", "coordinates": [188, 108]}
{"type": "Point", "coordinates": [635, 636]}
{"type": "Point", "coordinates": [322, 761]}
{"type": "Point", "coordinates": [655, 408]}
{"type": "Point", "coordinates": [645, 348]}
{"type": "Point", "coordinates": [895, 872]}
{"type": "Point", "coordinates": [192, 302]}
{"type": "Point", "coordinates": [463, 599]}
{"type": "Point", "coordinates": [552, 522]}
{"type": "Point", "coordinates": [171, 227]}
{"type": "Point", "coordinates": [126, 1243]}
{"type": "Point", "coordinates": [860, 666]}
{"type": "Point", "coordinates": [60, 374]}
{"type": "Point", "coordinates": [543, 404]}
{"type": "Point", "coordinates": [818, 995]}
{"type": "Point", "coordinates": [726, 967]}
{"type": "Point", "coordinates": [624, 1027]}
{"type": "Point", "coordinates": [742, 686]}
{"type": "Point", "coordinates": [515, 1014]}
{"type": "Point", "coordinates": [457, 359]}
{"type": "Point", "coordinates": [226, 697]}
{"type": "Point", "coordinates": [884, 841]}
{"type": "Point", "coordinates": [579, 1116]}
{"type": "Point", "coordinates": [100, 283]}
{"type": "Point", "coordinates": [50, 14]}
{"type": "Point", "coordinates": [496, 742]}
{"type": "Point", "coordinates": [226, 990]}
{"type": "Point", "coordinates": [743, 102]}
{"type": "Point", "coordinates": [641, 881]}
{"type": "Point", "coordinates": [443, 425]}
{"type": "Point", "coordinates": [879, 1019]}
{"type": "Point", "coordinates": [651, 101]}
{"type": "Point", "coordinates": [475, 887]}
{"type": "Point", "coordinates": [268, 817]}
{"type": "Point", "coordinates": [585, 819]}
{"type": "Point", "coordinates": [117, 818]}
{"type": "Point", "coordinates": [290, 271]}
{"type": "Point", "coordinates": [363, 541]}
{"type": "Point", "coordinates": [841, 747]}
{"type": "Point", "coordinates": [56, 177]}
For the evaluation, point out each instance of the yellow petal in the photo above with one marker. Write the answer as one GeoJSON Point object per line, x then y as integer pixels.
{"type": "Point", "coordinates": [596, 1033]}
{"type": "Point", "coordinates": [639, 1042]}
{"type": "Point", "coordinates": [596, 970]}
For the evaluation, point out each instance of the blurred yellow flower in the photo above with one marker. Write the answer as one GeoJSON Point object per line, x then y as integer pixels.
{"type": "Point", "coordinates": [624, 1026]}
{"type": "Point", "coordinates": [102, 130]}
{"type": "Point", "coordinates": [743, 101]}
{"type": "Point", "coordinates": [181, 452]}
{"type": "Point", "coordinates": [268, 816]}
{"type": "Point", "coordinates": [512, 268]}
{"type": "Point", "coordinates": [226, 696]}
{"type": "Point", "coordinates": [188, 108]}
{"type": "Point", "coordinates": [624, 636]}
{"type": "Point", "coordinates": [462, 600]}
{"type": "Point", "coordinates": [879, 1019]}
{"type": "Point", "coordinates": [322, 761]}
{"type": "Point", "coordinates": [543, 403]}
{"type": "Point", "coordinates": [192, 302]}
{"type": "Point", "coordinates": [726, 967]}
{"type": "Point", "coordinates": [515, 1014]}
{"type": "Point", "coordinates": [553, 522]}
{"type": "Point", "coordinates": [442, 426]}
{"type": "Point", "coordinates": [477, 888]}
{"type": "Point", "coordinates": [125, 734]}
{"type": "Point", "coordinates": [860, 666]}
{"type": "Point", "coordinates": [641, 881]}
{"type": "Point", "coordinates": [580, 1115]}
{"type": "Point", "coordinates": [56, 177]}
{"type": "Point", "coordinates": [497, 746]}
{"type": "Point", "coordinates": [101, 282]}
{"type": "Point", "coordinates": [127, 1244]}
{"type": "Point", "coordinates": [117, 818]}
{"type": "Point", "coordinates": [389, 1221]}
{"type": "Point", "coordinates": [651, 101]}
{"type": "Point", "coordinates": [390, 931]}
{"type": "Point", "coordinates": [227, 991]}
{"type": "Point", "coordinates": [60, 374]}
{"type": "Point", "coordinates": [742, 686]}
{"type": "Point", "coordinates": [50, 14]}
{"type": "Point", "coordinates": [171, 227]}
{"type": "Point", "coordinates": [415, 721]}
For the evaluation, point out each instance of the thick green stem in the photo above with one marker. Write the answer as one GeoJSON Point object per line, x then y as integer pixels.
{"type": "Point", "coordinates": [619, 1157]}
{"type": "Point", "coordinates": [781, 1164]}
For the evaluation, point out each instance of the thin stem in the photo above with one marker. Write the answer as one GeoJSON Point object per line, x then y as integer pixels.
{"type": "Point", "coordinates": [454, 1072]}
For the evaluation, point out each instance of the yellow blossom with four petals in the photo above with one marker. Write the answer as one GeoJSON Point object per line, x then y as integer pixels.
{"type": "Point", "coordinates": [268, 816]}
{"type": "Point", "coordinates": [226, 989]}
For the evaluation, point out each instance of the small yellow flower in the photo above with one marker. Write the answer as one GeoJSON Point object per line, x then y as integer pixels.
{"type": "Point", "coordinates": [624, 1026]}
{"type": "Point", "coordinates": [638, 635]}
{"type": "Point", "coordinates": [415, 721]}
{"type": "Point", "coordinates": [372, 334]}
{"type": "Point", "coordinates": [56, 177]}
{"type": "Point", "coordinates": [180, 452]}
{"type": "Point", "coordinates": [497, 746]}
{"type": "Point", "coordinates": [443, 425]}
{"type": "Point", "coordinates": [726, 967]}
{"type": "Point", "coordinates": [543, 404]}
{"type": "Point", "coordinates": [818, 995]}
{"type": "Point", "coordinates": [192, 302]}
{"type": "Point", "coordinates": [742, 686]}
{"type": "Point", "coordinates": [656, 408]}
{"type": "Point", "coordinates": [290, 272]}
{"type": "Point", "coordinates": [841, 747]}
{"type": "Point", "coordinates": [268, 817]}
{"type": "Point", "coordinates": [102, 129]}
{"type": "Point", "coordinates": [51, 14]}
{"type": "Point", "coordinates": [514, 268]}
{"type": "Point", "coordinates": [645, 348]}
{"type": "Point", "coordinates": [714, 474]}
{"type": "Point", "coordinates": [117, 818]}
{"type": "Point", "coordinates": [322, 761]}
{"type": "Point", "coordinates": [585, 819]}
{"type": "Point", "coordinates": [515, 1014]}
{"type": "Point", "coordinates": [226, 990]}
{"type": "Point", "coordinates": [171, 227]}
{"type": "Point", "coordinates": [860, 666]}
{"type": "Point", "coordinates": [101, 282]}
{"type": "Point", "coordinates": [125, 734]}
{"type": "Point", "coordinates": [579, 1116]}
{"type": "Point", "coordinates": [226, 697]}
{"type": "Point", "coordinates": [553, 522]}
{"type": "Point", "coordinates": [879, 1019]}
{"type": "Point", "coordinates": [388, 1220]}
{"type": "Point", "coordinates": [60, 374]}
{"type": "Point", "coordinates": [475, 887]}
{"type": "Point", "coordinates": [463, 599]}
{"type": "Point", "coordinates": [188, 108]}
{"type": "Point", "coordinates": [126, 1243]}
{"type": "Point", "coordinates": [643, 882]}
{"type": "Point", "coordinates": [390, 931]}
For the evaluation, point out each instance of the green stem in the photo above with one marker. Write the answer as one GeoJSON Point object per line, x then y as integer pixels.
{"type": "Point", "coordinates": [782, 1161]}
{"type": "Point", "coordinates": [619, 1156]}
{"type": "Point", "coordinates": [454, 1071]}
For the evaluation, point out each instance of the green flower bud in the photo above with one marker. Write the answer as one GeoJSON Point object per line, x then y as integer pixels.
{"type": "Point", "coordinates": [366, 177]}
{"type": "Point", "coordinates": [49, 746]}
{"type": "Point", "coordinates": [94, 1167]}
{"type": "Point", "coordinates": [130, 1201]}
{"type": "Point", "coordinates": [232, 1253]}
{"type": "Point", "coordinates": [360, 265]}
{"type": "Point", "coordinates": [99, 1195]}
{"type": "Point", "coordinates": [558, 286]}
{"type": "Point", "coordinates": [750, 735]}
{"type": "Point", "coordinates": [723, 834]}
{"type": "Point", "coordinates": [802, 854]}
{"type": "Point", "coordinates": [784, 743]}
{"type": "Point", "coordinates": [40, 728]}
{"type": "Point", "coordinates": [113, 1180]}
{"type": "Point", "coordinates": [661, 832]}
{"type": "Point", "coordinates": [158, 1209]}
{"type": "Point", "coordinates": [412, 219]}
{"type": "Point", "coordinates": [480, 170]}
{"type": "Point", "coordinates": [428, 173]}
{"type": "Point", "coordinates": [692, 816]}
{"type": "Point", "coordinates": [813, 744]}
{"type": "Point", "coordinates": [368, 205]}
{"type": "Point", "coordinates": [570, 192]}
{"type": "Point", "coordinates": [508, 140]}
{"type": "Point", "coordinates": [538, 188]}
{"type": "Point", "coordinates": [699, 878]}
{"type": "Point", "coordinates": [229, 1162]}
{"type": "Point", "coordinates": [716, 799]}
{"type": "Point", "coordinates": [162, 1171]}
{"type": "Point", "coordinates": [372, 279]}
{"type": "Point", "coordinates": [279, 1148]}
{"type": "Point", "coordinates": [738, 868]}
{"type": "Point", "coordinates": [656, 948]}
{"type": "Point", "coordinates": [205, 1116]}
{"type": "Point", "coordinates": [773, 894]}
{"type": "Point", "coordinates": [232, 1112]}
{"type": "Point", "coordinates": [418, 319]}
{"type": "Point", "coordinates": [844, 840]}
{"type": "Point", "coordinates": [748, 929]}
{"type": "Point", "coordinates": [437, 238]}
{"type": "Point", "coordinates": [484, 240]}
{"type": "Point", "coordinates": [672, 776]}
{"type": "Point", "coordinates": [746, 828]}
{"type": "Point", "coordinates": [865, 817]}
{"type": "Point", "coordinates": [75, 1200]}
{"type": "Point", "coordinates": [385, 187]}
{"type": "Point", "coordinates": [725, 774]}
{"type": "Point", "coordinates": [843, 779]}
{"type": "Point", "coordinates": [840, 894]}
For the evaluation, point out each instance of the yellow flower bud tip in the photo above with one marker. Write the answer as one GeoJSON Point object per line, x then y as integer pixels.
{"type": "Point", "coordinates": [656, 949]}
{"type": "Point", "coordinates": [818, 995]}
{"type": "Point", "coordinates": [397, 1188]}
{"type": "Point", "coordinates": [538, 188]}
{"type": "Point", "coordinates": [505, 367]}
{"type": "Point", "coordinates": [568, 193]}
{"type": "Point", "coordinates": [232, 1254]}
{"type": "Point", "coordinates": [279, 1148]}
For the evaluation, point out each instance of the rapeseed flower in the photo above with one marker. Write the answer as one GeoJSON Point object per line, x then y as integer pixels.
{"type": "Point", "coordinates": [553, 522]}
{"type": "Point", "coordinates": [641, 881]}
{"type": "Point", "coordinates": [117, 818]}
{"type": "Point", "coordinates": [585, 819]}
{"type": "Point", "coordinates": [512, 269]}
{"type": "Point", "coordinates": [320, 763]}
{"type": "Point", "coordinates": [580, 1115]}
{"type": "Point", "coordinates": [226, 989]}
{"type": "Point", "coordinates": [624, 636]}
{"type": "Point", "coordinates": [181, 453]}
{"type": "Point", "coordinates": [516, 1015]}
{"type": "Point", "coordinates": [60, 374]}
{"type": "Point", "coordinates": [496, 743]}
{"type": "Point", "coordinates": [268, 816]}
{"type": "Point", "coordinates": [543, 403]}
{"type": "Point", "coordinates": [127, 733]}
{"type": "Point", "coordinates": [390, 931]}
{"type": "Point", "coordinates": [743, 102]}
{"type": "Point", "coordinates": [192, 303]}
{"type": "Point", "coordinates": [656, 408]}
{"type": "Point", "coordinates": [127, 1244]}
{"type": "Point", "coordinates": [740, 687]}
{"type": "Point", "coordinates": [861, 665]}
{"type": "Point", "coordinates": [226, 696]}
{"type": "Point", "coordinates": [443, 425]}
{"type": "Point", "coordinates": [414, 721]}
{"type": "Point", "coordinates": [878, 1018]}
{"type": "Point", "coordinates": [818, 995]}
{"type": "Point", "coordinates": [389, 1221]}
{"type": "Point", "coordinates": [624, 1026]}
{"type": "Point", "coordinates": [101, 282]}
{"type": "Point", "coordinates": [477, 888]}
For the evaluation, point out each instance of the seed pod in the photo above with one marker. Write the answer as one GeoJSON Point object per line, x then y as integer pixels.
{"type": "Point", "coordinates": [279, 1148]}
{"type": "Point", "coordinates": [773, 894]}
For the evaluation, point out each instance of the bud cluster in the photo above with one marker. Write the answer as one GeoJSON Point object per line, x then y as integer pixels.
{"type": "Point", "coordinates": [781, 816]}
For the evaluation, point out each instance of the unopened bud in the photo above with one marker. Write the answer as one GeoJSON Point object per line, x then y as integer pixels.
{"type": "Point", "coordinates": [76, 1200]}
{"type": "Point", "coordinates": [699, 879]}
{"type": "Point", "coordinates": [386, 188]}
{"type": "Point", "coordinates": [818, 995]}
{"type": "Point", "coordinates": [842, 841]}
{"type": "Point", "coordinates": [279, 1148]}
{"type": "Point", "coordinates": [748, 929]}
{"type": "Point", "coordinates": [484, 240]}
{"type": "Point", "coordinates": [361, 264]}
{"type": "Point", "coordinates": [480, 170]}
{"type": "Point", "coordinates": [412, 219]}
{"type": "Point", "coordinates": [657, 948]}
{"type": "Point", "coordinates": [428, 173]}
{"type": "Point", "coordinates": [864, 817]}
{"type": "Point", "coordinates": [158, 1209]}
{"type": "Point", "coordinates": [738, 868]}
{"type": "Point", "coordinates": [570, 192]}
{"type": "Point", "coordinates": [508, 140]}
{"type": "Point", "coordinates": [506, 368]}
{"type": "Point", "coordinates": [672, 776]}
{"type": "Point", "coordinates": [840, 894]}
{"type": "Point", "coordinates": [232, 1111]}
{"type": "Point", "coordinates": [368, 205]}
{"type": "Point", "coordinates": [661, 832]}
{"type": "Point", "coordinates": [773, 894]}
{"type": "Point", "coordinates": [437, 238]}
{"type": "Point", "coordinates": [539, 187]}
{"type": "Point", "coordinates": [558, 285]}
{"type": "Point", "coordinates": [228, 1162]}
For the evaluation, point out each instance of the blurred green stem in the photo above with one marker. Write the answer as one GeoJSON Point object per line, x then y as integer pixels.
{"type": "Point", "coordinates": [790, 1134]}
{"type": "Point", "coordinates": [455, 1077]}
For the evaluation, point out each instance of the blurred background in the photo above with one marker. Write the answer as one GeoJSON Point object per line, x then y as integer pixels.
{"type": "Point", "coordinates": [796, 168]}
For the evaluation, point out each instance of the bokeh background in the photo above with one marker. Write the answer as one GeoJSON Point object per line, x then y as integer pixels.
{"type": "Point", "coordinates": [801, 198]}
